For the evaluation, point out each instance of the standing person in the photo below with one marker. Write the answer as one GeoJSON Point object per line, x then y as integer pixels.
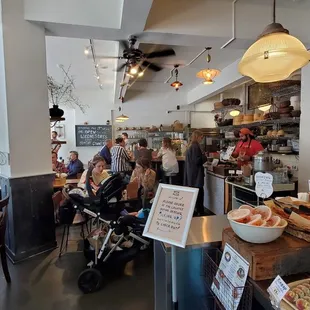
{"type": "Point", "coordinates": [247, 147]}
{"type": "Point", "coordinates": [194, 170]}
{"type": "Point", "coordinates": [119, 157]}
{"type": "Point", "coordinates": [142, 151]}
{"type": "Point", "coordinates": [125, 138]}
{"type": "Point", "coordinates": [55, 146]}
{"type": "Point", "coordinates": [105, 152]}
{"type": "Point", "coordinates": [169, 160]}
{"type": "Point", "coordinates": [75, 166]}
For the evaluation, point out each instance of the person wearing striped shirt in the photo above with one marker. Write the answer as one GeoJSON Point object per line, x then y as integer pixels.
{"type": "Point", "coordinates": [119, 157]}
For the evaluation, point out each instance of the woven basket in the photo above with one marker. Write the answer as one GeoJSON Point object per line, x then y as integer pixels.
{"type": "Point", "coordinates": [177, 126]}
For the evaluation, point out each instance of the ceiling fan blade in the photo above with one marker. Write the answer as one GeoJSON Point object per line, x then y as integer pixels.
{"type": "Point", "coordinates": [124, 44]}
{"type": "Point", "coordinates": [107, 57]}
{"type": "Point", "coordinates": [121, 67]}
{"type": "Point", "coordinates": [164, 53]}
{"type": "Point", "coordinates": [151, 66]}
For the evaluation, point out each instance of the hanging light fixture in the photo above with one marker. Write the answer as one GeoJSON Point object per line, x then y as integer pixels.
{"type": "Point", "coordinates": [134, 69]}
{"type": "Point", "coordinates": [275, 55]}
{"type": "Point", "coordinates": [265, 108]}
{"type": "Point", "coordinates": [208, 74]}
{"type": "Point", "coordinates": [122, 118]}
{"type": "Point", "coordinates": [176, 84]}
{"type": "Point", "coordinates": [234, 112]}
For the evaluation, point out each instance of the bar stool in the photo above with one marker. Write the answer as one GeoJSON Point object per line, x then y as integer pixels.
{"type": "Point", "coordinates": [170, 175]}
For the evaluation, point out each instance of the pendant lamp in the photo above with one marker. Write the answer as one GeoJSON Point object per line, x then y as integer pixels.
{"type": "Point", "coordinates": [176, 84]}
{"type": "Point", "coordinates": [208, 74]}
{"type": "Point", "coordinates": [122, 118]}
{"type": "Point", "coordinates": [275, 55]}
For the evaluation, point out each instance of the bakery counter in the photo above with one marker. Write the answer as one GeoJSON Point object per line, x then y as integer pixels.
{"type": "Point", "coordinates": [243, 193]}
{"type": "Point", "coordinates": [205, 232]}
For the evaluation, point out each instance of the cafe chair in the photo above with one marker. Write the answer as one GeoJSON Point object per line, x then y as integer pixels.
{"type": "Point", "coordinates": [57, 199]}
{"type": "Point", "coordinates": [3, 215]}
{"type": "Point", "coordinates": [170, 177]}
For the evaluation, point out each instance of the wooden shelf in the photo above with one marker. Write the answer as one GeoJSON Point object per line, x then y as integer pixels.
{"type": "Point", "coordinates": [228, 108]}
{"type": "Point", "coordinates": [57, 119]}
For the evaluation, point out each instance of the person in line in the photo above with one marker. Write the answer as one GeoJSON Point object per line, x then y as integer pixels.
{"type": "Point", "coordinates": [105, 152]}
{"type": "Point", "coordinates": [98, 174]}
{"type": "Point", "coordinates": [169, 160]}
{"type": "Point", "coordinates": [143, 151]}
{"type": "Point", "coordinates": [57, 166]}
{"type": "Point", "coordinates": [55, 146]}
{"type": "Point", "coordinates": [125, 138]}
{"type": "Point", "coordinates": [75, 166]}
{"type": "Point", "coordinates": [194, 170]}
{"type": "Point", "coordinates": [247, 147]}
{"type": "Point", "coordinates": [119, 157]}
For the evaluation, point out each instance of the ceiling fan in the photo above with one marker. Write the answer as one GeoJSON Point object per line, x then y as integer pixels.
{"type": "Point", "coordinates": [136, 60]}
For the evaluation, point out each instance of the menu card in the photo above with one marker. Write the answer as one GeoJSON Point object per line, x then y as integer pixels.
{"type": "Point", "coordinates": [171, 214]}
{"type": "Point", "coordinates": [228, 284]}
{"type": "Point", "coordinates": [263, 184]}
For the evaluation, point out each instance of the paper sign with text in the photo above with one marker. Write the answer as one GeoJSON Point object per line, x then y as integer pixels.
{"type": "Point", "coordinates": [171, 214]}
{"type": "Point", "coordinates": [263, 184]}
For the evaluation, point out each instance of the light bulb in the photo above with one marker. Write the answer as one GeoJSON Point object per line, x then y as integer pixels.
{"type": "Point", "coordinates": [130, 75]}
{"type": "Point", "coordinates": [265, 108]}
{"type": "Point", "coordinates": [208, 81]}
{"type": "Point", "coordinates": [86, 51]}
{"type": "Point", "coordinates": [97, 77]}
{"type": "Point", "coordinates": [141, 73]}
{"type": "Point", "coordinates": [234, 113]}
{"type": "Point", "coordinates": [134, 70]}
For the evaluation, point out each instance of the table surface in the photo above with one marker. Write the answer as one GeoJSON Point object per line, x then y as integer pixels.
{"type": "Point", "coordinates": [68, 181]}
{"type": "Point", "coordinates": [205, 231]}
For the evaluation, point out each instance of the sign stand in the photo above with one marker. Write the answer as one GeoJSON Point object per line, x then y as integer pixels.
{"type": "Point", "coordinates": [174, 277]}
{"type": "Point", "coordinates": [169, 221]}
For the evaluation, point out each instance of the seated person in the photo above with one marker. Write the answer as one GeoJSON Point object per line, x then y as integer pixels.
{"type": "Point", "coordinates": [98, 175]}
{"type": "Point", "coordinates": [105, 152]}
{"type": "Point", "coordinates": [75, 166]}
{"type": "Point", "coordinates": [57, 166]}
{"type": "Point", "coordinates": [143, 151]}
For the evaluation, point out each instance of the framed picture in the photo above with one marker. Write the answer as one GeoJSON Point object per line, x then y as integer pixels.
{"type": "Point", "coordinates": [258, 94]}
{"type": "Point", "coordinates": [171, 214]}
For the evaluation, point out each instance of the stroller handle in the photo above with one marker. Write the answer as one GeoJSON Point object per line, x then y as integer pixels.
{"type": "Point", "coordinates": [93, 214]}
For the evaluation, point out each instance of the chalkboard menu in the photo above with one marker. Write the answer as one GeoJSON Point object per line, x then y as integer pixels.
{"type": "Point", "coordinates": [92, 135]}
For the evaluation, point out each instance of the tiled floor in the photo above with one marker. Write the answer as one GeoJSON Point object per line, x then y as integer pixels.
{"type": "Point", "coordinates": [48, 283]}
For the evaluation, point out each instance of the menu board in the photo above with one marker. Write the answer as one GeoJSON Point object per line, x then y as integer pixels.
{"type": "Point", "coordinates": [171, 214]}
{"type": "Point", "coordinates": [92, 135]}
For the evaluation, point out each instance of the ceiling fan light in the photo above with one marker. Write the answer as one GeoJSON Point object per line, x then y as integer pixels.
{"type": "Point", "coordinates": [134, 70]}
{"type": "Point", "coordinates": [234, 112]}
{"type": "Point", "coordinates": [140, 74]}
{"type": "Point", "coordinates": [265, 108]}
{"type": "Point", "coordinates": [274, 56]}
{"type": "Point", "coordinates": [208, 81]}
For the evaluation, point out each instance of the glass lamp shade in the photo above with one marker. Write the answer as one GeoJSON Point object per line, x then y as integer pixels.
{"type": "Point", "coordinates": [176, 85]}
{"type": "Point", "coordinates": [265, 108]}
{"type": "Point", "coordinates": [208, 74]}
{"type": "Point", "coordinates": [273, 57]}
{"type": "Point", "coordinates": [208, 81]}
{"type": "Point", "coordinates": [122, 117]}
{"type": "Point", "coordinates": [234, 113]}
{"type": "Point", "coordinates": [119, 120]}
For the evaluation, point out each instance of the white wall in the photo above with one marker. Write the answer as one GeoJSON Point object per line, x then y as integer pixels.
{"type": "Point", "coordinates": [304, 142]}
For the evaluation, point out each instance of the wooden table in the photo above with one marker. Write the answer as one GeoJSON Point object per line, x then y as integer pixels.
{"type": "Point", "coordinates": [68, 182]}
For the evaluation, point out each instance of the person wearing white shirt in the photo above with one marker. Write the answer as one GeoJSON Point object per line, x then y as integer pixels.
{"type": "Point", "coordinates": [167, 154]}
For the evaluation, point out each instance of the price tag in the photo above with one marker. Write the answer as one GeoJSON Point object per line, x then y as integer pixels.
{"type": "Point", "coordinates": [231, 171]}
{"type": "Point", "coordinates": [263, 186]}
{"type": "Point", "coordinates": [239, 172]}
{"type": "Point", "coordinates": [277, 290]}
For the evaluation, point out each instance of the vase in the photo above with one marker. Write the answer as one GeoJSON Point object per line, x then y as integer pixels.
{"type": "Point", "coordinates": [56, 112]}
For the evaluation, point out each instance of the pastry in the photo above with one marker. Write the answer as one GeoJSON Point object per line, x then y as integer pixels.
{"type": "Point", "coordinates": [299, 292]}
{"type": "Point", "coordinates": [302, 304]}
{"type": "Point", "coordinates": [291, 296]}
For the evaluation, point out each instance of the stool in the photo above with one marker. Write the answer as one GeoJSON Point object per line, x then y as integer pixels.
{"type": "Point", "coordinates": [170, 175]}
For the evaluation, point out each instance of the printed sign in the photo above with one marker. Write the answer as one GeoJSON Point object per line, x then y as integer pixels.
{"type": "Point", "coordinates": [229, 282]}
{"type": "Point", "coordinates": [171, 214]}
{"type": "Point", "coordinates": [263, 186]}
{"type": "Point", "coordinates": [277, 290]}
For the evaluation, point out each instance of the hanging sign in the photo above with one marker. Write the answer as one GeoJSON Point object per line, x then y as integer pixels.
{"type": "Point", "coordinates": [171, 214]}
{"type": "Point", "coordinates": [263, 186]}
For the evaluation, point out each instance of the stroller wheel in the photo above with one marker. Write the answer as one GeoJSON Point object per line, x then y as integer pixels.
{"type": "Point", "coordinates": [90, 280]}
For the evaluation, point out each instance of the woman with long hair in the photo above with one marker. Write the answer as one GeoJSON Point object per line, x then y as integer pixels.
{"type": "Point", "coordinates": [194, 170]}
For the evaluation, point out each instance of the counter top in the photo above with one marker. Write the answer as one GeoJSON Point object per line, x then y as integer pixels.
{"type": "Point", "coordinates": [158, 160]}
{"type": "Point", "coordinates": [215, 174]}
{"type": "Point", "coordinates": [276, 187]}
{"type": "Point", "coordinates": [205, 231]}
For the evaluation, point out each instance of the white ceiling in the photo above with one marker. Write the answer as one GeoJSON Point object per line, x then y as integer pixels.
{"type": "Point", "coordinates": [187, 26]}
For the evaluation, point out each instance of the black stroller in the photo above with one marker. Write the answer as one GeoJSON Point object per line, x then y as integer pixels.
{"type": "Point", "coordinates": [104, 210]}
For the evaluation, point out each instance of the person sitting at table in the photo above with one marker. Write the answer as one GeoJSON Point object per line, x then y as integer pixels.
{"type": "Point", "coordinates": [57, 166]}
{"type": "Point", "coordinates": [98, 174]}
{"type": "Point", "coordinates": [105, 152]}
{"type": "Point", "coordinates": [119, 157]}
{"type": "Point", "coordinates": [169, 160]}
{"type": "Point", "coordinates": [75, 166]}
{"type": "Point", "coordinates": [143, 151]}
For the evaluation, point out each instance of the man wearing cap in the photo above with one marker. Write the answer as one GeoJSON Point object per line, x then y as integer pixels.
{"type": "Point", "coordinates": [247, 147]}
{"type": "Point", "coordinates": [75, 165]}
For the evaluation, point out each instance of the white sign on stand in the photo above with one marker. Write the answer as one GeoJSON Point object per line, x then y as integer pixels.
{"type": "Point", "coordinates": [171, 214]}
{"type": "Point", "coordinates": [263, 186]}
{"type": "Point", "coordinates": [169, 221]}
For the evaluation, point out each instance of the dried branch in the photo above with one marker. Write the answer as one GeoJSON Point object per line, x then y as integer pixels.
{"type": "Point", "coordinates": [63, 93]}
